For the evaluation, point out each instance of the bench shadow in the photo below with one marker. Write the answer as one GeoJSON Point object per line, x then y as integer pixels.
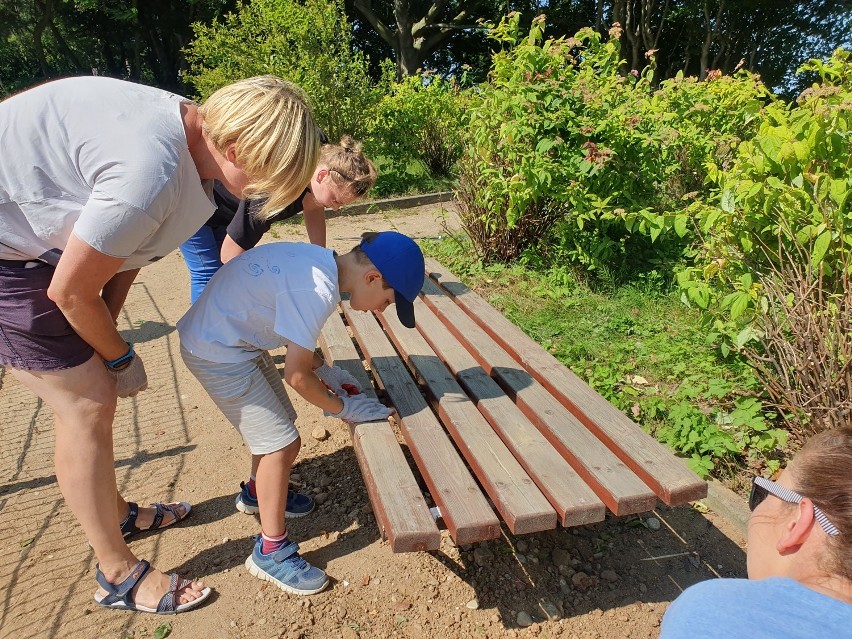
{"type": "Point", "coordinates": [616, 564]}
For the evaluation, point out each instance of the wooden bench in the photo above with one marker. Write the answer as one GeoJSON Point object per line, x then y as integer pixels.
{"type": "Point", "coordinates": [495, 426]}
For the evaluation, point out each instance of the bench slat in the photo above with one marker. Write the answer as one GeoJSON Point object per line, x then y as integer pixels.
{"type": "Point", "coordinates": [621, 490]}
{"type": "Point", "coordinates": [463, 507]}
{"type": "Point", "coordinates": [669, 476]}
{"type": "Point", "coordinates": [513, 493]}
{"type": "Point", "coordinates": [575, 503]}
{"type": "Point", "coordinates": [401, 512]}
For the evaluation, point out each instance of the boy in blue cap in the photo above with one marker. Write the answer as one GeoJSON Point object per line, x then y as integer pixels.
{"type": "Point", "coordinates": [282, 294]}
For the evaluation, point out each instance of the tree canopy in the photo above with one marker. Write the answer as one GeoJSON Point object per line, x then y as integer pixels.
{"type": "Point", "coordinates": [145, 41]}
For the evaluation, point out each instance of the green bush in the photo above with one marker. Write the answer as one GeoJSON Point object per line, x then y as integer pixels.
{"type": "Point", "coordinates": [774, 268]}
{"type": "Point", "coordinates": [308, 42]}
{"type": "Point", "coordinates": [416, 132]}
{"type": "Point", "coordinates": [558, 129]}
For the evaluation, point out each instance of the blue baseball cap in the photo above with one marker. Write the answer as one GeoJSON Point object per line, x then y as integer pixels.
{"type": "Point", "coordinates": [400, 261]}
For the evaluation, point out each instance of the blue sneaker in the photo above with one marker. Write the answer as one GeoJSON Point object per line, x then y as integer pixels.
{"type": "Point", "coordinates": [298, 505]}
{"type": "Point", "coordinates": [286, 569]}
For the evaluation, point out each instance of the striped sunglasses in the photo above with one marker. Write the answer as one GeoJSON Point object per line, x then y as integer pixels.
{"type": "Point", "coordinates": [762, 488]}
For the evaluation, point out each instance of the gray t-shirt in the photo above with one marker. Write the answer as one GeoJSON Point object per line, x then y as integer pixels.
{"type": "Point", "coordinates": [102, 158]}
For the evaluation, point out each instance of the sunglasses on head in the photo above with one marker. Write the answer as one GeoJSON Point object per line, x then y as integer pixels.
{"type": "Point", "coordinates": [761, 488]}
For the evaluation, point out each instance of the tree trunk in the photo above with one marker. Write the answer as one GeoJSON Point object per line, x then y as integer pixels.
{"type": "Point", "coordinates": [413, 41]}
{"type": "Point", "coordinates": [44, 21]}
{"type": "Point", "coordinates": [407, 56]}
{"type": "Point", "coordinates": [711, 33]}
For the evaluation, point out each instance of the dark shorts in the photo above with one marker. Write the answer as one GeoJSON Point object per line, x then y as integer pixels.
{"type": "Point", "coordinates": [34, 334]}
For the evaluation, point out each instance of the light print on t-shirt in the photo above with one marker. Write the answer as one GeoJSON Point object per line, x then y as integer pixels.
{"type": "Point", "coordinates": [254, 269]}
{"type": "Point", "coordinates": [265, 338]}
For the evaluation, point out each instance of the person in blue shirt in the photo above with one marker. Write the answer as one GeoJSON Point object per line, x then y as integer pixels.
{"type": "Point", "coordinates": [799, 557]}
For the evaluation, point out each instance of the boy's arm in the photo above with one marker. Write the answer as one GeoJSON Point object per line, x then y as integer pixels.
{"type": "Point", "coordinates": [314, 214]}
{"type": "Point", "coordinates": [299, 375]}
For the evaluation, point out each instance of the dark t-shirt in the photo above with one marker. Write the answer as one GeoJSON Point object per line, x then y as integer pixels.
{"type": "Point", "coordinates": [237, 216]}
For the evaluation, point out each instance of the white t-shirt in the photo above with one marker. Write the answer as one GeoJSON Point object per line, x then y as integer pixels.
{"type": "Point", "coordinates": [270, 296]}
{"type": "Point", "coordinates": [104, 158]}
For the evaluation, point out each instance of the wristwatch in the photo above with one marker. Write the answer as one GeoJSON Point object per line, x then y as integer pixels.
{"type": "Point", "coordinates": [123, 361]}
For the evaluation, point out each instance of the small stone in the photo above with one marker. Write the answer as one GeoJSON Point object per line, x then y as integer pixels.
{"type": "Point", "coordinates": [320, 498]}
{"type": "Point", "coordinates": [473, 604]}
{"type": "Point", "coordinates": [403, 605]}
{"type": "Point", "coordinates": [522, 546]}
{"type": "Point", "coordinates": [319, 433]}
{"type": "Point", "coordinates": [549, 609]}
{"type": "Point", "coordinates": [325, 481]}
{"type": "Point", "coordinates": [225, 540]}
{"type": "Point", "coordinates": [609, 575]}
{"type": "Point", "coordinates": [583, 582]}
{"type": "Point", "coordinates": [653, 523]}
{"type": "Point", "coordinates": [524, 620]}
{"type": "Point", "coordinates": [482, 556]}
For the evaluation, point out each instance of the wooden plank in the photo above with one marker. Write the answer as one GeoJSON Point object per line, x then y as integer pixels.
{"type": "Point", "coordinates": [668, 475]}
{"type": "Point", "coordinates": [463, 507]}
{"type": "Point", "coordinates": [615, 484]}
{"type": "Point", "coordinates": [401, 511]}
{"type": "Point", "coordinates": [573, 500]}
{"type": "Point", "coordinates": [513, 493]}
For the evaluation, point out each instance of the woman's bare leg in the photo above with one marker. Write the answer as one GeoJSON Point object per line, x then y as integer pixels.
{"type": "Point", "coordinates": [83, 400]}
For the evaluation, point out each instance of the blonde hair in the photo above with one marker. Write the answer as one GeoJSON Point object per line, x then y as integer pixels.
{"type": "Point", "coordinates": [277, 144]}
{"type": "Point", "coordinates": [348, 166]}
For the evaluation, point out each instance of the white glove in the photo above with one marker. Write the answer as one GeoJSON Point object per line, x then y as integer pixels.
{"type": "Point", "coordinates": [360, 408]}
{"type": "Point", "coordinates": [131, 379]}
{"type": "Point", "coordinates": [339, 381]}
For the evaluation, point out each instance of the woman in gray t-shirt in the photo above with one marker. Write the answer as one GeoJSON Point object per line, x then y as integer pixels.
{"type": "Point", "coordinates": [102, 177]}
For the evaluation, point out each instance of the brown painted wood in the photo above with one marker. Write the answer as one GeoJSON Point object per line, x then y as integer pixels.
{"type": "Point", "coordinates": [670, 478]}
{"type": "Point", "coordinates": [513, 493]}
{"type": "Point", "coordinates": [613, 482]}
{"type": "Point", "coordinates": [463, 507]}
{"type": "Point", "coordinates": [401, 511]}
{"type": "Point", "coordinates": [569, 495]}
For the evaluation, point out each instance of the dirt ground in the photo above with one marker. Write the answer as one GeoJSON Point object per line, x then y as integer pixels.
{"type": "Point", "coordinates": [607, 581]}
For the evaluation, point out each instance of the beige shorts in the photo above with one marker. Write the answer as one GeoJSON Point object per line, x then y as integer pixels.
{"type": "Point", "coordinates": [252, 397]}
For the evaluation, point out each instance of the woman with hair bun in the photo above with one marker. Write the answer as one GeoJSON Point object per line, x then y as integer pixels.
{"type": "Point", "coordinates": [799, 557]}
{"type": "Point", "coordinates": [342, 175]}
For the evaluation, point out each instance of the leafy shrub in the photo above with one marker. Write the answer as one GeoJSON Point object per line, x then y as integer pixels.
{"type": "Point", "coordinates": [308, 42]}
{"type": "Point", "coordinates": [419, 122]}
{"type": "Point", "coordinates": [559, 129]}
{"type": "Point", "coordinates": [774, 268]}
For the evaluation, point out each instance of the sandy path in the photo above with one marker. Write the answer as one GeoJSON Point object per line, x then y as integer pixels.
{"type": "Point", "coordinates": [171, 443]}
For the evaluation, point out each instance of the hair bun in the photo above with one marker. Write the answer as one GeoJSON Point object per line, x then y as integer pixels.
{"type": "Point", "coordinates": [349, 145]}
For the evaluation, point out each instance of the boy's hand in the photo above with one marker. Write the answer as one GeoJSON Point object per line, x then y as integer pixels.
{"type": "Point", "coordinates": [338, 380]}
{"type": "Point", "coordinates": [360, 408]}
